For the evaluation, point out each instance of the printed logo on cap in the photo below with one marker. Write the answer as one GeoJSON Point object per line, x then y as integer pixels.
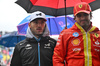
{"type": "Point", "coordinates": [80, 6]}
{"type": "Point", "coordinates": [40, 14]}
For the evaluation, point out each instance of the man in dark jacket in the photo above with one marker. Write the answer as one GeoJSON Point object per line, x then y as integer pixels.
{"type": "Point", "coordinates": [37, 48]}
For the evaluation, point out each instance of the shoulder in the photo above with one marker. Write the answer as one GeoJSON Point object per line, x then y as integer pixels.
{"type": "Point", "coordinates": [51, 40]}
{"type": "Point", "coordinates": [21, 44]}
{"type": "Point", "coordinates": [67, 32]}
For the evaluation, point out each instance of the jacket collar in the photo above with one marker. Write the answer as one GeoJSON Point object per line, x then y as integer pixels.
{"type": "Point", "coordinates": [92, 28]}
{"type": "Point", "coordinates": [37, 40]}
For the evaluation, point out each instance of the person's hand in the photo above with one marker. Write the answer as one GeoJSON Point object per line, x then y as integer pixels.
{"type": "Point", "coordinates": [65, 27]}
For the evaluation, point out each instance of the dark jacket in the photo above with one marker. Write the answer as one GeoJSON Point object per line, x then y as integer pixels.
{"type": "Point", "coordinates": [26, 52]}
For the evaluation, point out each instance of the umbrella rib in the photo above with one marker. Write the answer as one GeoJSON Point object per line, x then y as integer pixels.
{"type": "Point", "coordinates": [50, 25]}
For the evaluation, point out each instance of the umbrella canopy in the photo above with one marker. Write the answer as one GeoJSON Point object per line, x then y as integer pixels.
{"type": "Point", "coordinates": [54, 7]}
{"type": "Point", "coordinates": [55, 24]}
{"type": "Point", "coordinates": [11, 39]}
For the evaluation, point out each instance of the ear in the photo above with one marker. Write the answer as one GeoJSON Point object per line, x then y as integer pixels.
{"type": "Point", "coordinates": [74, 17]}
{"type": "Point", "coordinates": [29, 24]}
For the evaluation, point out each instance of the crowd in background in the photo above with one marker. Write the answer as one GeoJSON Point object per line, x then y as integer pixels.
{"type": "Point", "coordinates": [5, 55]}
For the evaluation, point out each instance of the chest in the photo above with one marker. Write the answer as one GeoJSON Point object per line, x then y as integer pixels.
{"type": "Point", "coordinates": [81, 41]}
{"type": "Point", "coordinates": [33, 49]}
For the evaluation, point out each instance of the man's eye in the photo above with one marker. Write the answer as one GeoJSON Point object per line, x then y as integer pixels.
{"type": "Point", "coordinates": [78, 15]}
{"type": "Point", "coordinates": [36, 22]}
{"type": "Point", "coordinates": [85, 14]}
{"type": "Point", "coordinates": [42, 22]}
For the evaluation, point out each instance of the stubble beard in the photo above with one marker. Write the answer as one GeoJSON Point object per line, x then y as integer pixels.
{"type": "Point", "coordinates": [86, 26]}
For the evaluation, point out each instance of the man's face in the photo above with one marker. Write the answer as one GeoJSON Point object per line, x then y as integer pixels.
{"type": "Point", "coordinates": [83, 19]}
{"type": "Point", "coordinates": [37, 26]}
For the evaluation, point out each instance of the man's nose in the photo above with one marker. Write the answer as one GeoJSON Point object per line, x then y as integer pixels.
{"type": "Point", "coordinates": [39, 24]}
{"type": "Point", "coordinates": [82, 17]}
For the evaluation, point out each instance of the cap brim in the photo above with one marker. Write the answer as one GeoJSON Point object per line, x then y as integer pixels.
{"type": "Point", "coordinates": [88, 12]}
{"type": "Point", "coordinates": [38, 18]}
{"type": "Point", "coordinates": [41, 18]}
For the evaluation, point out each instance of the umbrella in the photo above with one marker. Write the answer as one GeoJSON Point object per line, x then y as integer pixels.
{"type": "Point", "coordinates": [55, 24]}
{"type": "Point", "coordinates": [11, 39]}
{"type": "Point", "coordinates": [54, 7]}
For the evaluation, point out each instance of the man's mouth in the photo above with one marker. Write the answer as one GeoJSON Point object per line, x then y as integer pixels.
{"type": "Point", "coordinates": [83, 21]}
{"type": "Point", "coordinates": [39, 29]}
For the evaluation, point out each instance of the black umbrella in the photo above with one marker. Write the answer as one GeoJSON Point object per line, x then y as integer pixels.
{"type": "Point", "coordinates": [55, 7]}
{"type": "Point", "coordinates": [40, 5]}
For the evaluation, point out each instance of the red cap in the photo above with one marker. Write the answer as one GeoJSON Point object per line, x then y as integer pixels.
{"type": "Point", "coordinates": [82, 7]}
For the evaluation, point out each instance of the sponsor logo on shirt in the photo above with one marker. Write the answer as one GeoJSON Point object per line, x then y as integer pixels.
{"type": "Point", "coordinates": [75, 42]}
{"type": "Point", "coordinates": [75, 34]}
{"type": "Point", "coordinates": [21, 43]}
{"type": "Point", "coordinates": [76, 50]}
{"type": "Point", "coordinates": [97, 50]}
{"type": "Point", "coordinates": [97, 43]}
{"type": "Point", "coordinates": [96, 35]}
{"type": "Point", "coordinates": [47, 45]}
{"type": "Point", "coordinates": [28, 46]}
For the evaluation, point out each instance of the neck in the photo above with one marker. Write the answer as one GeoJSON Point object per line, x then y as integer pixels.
{"type": "Point", "coordinates": [86, 28]}
{"type": "Point", "coordinates": [38, 36]}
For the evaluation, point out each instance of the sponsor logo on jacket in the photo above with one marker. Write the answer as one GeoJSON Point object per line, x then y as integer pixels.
{"type": "Point", "coordinates": [96, 43]}
{"type": "Point", "coordinates": [76, 50]}
{"type": "Point", "coordinates": [97, 50]}
{"type": "Point", "coordinates": [28, 46]}
{"type": "Point", "coordinates": [75, 42]}
{"type": "Point", "coordinates": [75, 34]}
{"type": "Point", "coordinates": [47, 45]}
{"type": "Point", "coordinates": [96, 35]}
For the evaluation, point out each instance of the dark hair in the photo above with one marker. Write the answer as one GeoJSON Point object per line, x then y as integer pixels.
{"type": "Point", "coordinates": [90, 15]}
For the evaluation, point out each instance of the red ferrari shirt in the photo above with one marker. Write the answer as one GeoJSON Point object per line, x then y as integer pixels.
{"type": "Point", "coordinates": [76, 47]}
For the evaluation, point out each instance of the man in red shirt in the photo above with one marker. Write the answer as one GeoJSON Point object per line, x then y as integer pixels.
{"type": "Point", "coordinates": [79, 45]}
